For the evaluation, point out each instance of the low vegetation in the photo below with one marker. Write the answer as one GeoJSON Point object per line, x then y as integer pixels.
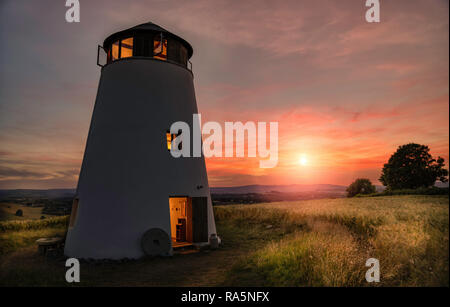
{"type": "Point", "coordinates": [10, 211]}
{"type": "Point", "coordinates": [322, 242]}
{"type": "Point", "coordinates": [361, 186]}
{"type": "Point", "coordinates": [18, 225]}
{"type": "Point", "coordinates": [18, 234]}
{"type": "Point", "coordinates": [408, 234]}
{"type": "Point", "coordinates": [419, 191]}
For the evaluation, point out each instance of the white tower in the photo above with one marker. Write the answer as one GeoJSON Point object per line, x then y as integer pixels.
{"type": "Point", "coordinates": [133, 198]}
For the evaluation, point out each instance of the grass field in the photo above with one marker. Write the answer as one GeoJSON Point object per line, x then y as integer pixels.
{"type": "Point", "coordinates": [305, 243]}
{"type": "Point", "coordinates": [8, 212]}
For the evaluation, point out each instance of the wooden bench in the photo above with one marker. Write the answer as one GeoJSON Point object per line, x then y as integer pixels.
{"type": "Point", "coordinates": [44, 244]}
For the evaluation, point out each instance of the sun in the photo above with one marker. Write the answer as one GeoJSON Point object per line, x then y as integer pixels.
{"type": "Point", "coordinates": [303, 160]}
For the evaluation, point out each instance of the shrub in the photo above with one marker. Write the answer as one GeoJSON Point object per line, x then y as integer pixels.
{"type": "Point", "coordinates": [360, 186]}
{"type": "Point", "coordinates": [419, 191]}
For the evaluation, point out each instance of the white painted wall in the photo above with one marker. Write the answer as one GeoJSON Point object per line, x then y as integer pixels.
{"type": "Point", "coordinates": [127, 174]}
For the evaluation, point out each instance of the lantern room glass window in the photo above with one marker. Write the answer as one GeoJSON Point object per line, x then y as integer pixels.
{"type": "Point", "coordinates": [115, 51]}
{"type": "Point", "coordinates": [160, 48]}
{"type": "Point", "coordinates": [126, 48]}
{"type": "Point", "coordinates": [152, 46]}
{"type": "Point", "coordinates": [170, 137]}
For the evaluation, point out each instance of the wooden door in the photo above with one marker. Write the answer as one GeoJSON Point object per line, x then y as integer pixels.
{"type": "Point", "coordinates": [200, 219]}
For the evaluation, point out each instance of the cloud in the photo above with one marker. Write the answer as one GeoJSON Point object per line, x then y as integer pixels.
{"type": "Point", "coordinates": [8, 172]}
{"type": "Point", "coordinates": [343, 91]}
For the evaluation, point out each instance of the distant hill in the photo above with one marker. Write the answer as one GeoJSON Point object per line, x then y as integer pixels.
{"type": "Point", "coordinates": [36, 194]}
{"type": "Point", "coordinates": [294, 188]}
{"type": "Point", "coordinates": [260, 189]}
{"type": "Point", "coordinates": [291, 188]}
{"type": "Point", "coordinates": [246, 189]}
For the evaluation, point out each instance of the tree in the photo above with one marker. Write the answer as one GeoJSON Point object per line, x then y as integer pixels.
{"type": "Point", "coordinates": [360, 186]}
{"type": "Point", "coordinates": [19, 212]}
{"type": "Point", "coordinates": [412, 167]}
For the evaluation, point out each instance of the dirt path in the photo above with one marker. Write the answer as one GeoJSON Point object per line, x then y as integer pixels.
{"type": "Point", "coordinates": [25, 267]}
{"type": "Point", "coordinates": [198, 269]}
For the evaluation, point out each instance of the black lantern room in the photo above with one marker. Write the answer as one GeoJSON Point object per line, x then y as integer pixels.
{"type": "Point", "coordinates": [147, 40]}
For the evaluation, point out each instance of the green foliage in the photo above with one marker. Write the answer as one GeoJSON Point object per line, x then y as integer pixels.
{"type": "Point", "coordinates": [360, 186]}
{"type": "Point", "coordinates": [412, 167]}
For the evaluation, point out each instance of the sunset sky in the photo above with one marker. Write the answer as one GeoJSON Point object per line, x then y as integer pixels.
{"type": "Point", "coordinates": [346, 93]}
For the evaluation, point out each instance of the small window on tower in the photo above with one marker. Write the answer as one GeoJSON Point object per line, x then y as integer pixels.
{"type": "Point", "coordinates": [126, 48]}
{"type": "Point", "coordinates": [160, 48]}
{"type": "Point", "coordinates": [115, 51]}
{"type": "Point", "coordinates": [170, 137]}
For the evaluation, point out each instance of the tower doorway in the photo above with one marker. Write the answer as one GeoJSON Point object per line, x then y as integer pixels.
{"type": "Point", "coordinates": [188, 220]}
